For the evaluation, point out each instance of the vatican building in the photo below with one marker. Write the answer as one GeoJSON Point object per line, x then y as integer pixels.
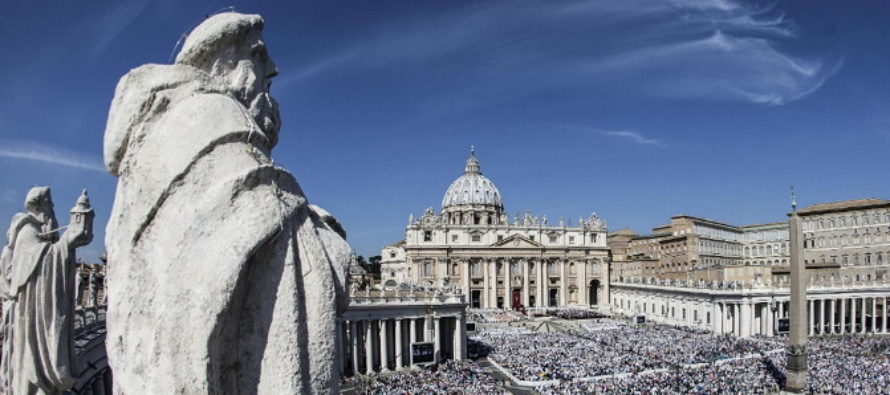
{"type": "Point", "coordinates": [522, 262]}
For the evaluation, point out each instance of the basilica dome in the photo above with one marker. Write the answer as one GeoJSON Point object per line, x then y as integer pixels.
{"type": "Point", "coordinates": [472, 188]}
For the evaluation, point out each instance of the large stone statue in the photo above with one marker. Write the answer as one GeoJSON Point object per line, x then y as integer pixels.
{"type": "Point", "coordinates": [226, 281]}
{"type": "Point", "coordinates": [37, 285]}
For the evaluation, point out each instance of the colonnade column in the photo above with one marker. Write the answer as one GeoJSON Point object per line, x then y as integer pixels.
{"type": "Point", "coordinates": [399, 346]}
{"type": "Point", "coordinates": [832, 307]}
{"type": "Point", "coordinates": [864, 310]}
{"type": "Point", "coordinates": [369, 349]}
{"type": "Point", "coordinates": [853, 310]}
{"type": "Point", "coordinates": [384, 345]}
{"type": "Point", "coordinates": [812, 317]}
{"type": "Point", "coordinates": [459, 341]}
{"type": "Point", "coordinates": [341, 345]}
{"type": "Point", "coordinates": [884, 314]}
{"type": "Point", "coordinates": [843, 316]}
{"type": "Point", "coordinates": [353, 343]}
{"type": "Point", "coordinates": [874, 314]}
{"type": "Point", "coordinates": [715, 318]}
{"type": "Point", "coordinates": [746, 319]}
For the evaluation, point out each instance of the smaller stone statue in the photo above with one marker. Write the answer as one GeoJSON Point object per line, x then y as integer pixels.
{"type": "Point", "coordinates": [94, 287]}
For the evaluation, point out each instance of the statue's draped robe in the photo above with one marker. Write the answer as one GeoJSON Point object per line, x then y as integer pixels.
{"type": "Point", "coordinates": [225, 280]}
{"type": "Point", "coordinates": [38, 284]}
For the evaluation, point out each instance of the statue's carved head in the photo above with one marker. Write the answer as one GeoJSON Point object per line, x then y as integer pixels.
{"type": "Point", "coordinates": [230, 46]}
{"type": "Point", "coordinates": [39, 202]}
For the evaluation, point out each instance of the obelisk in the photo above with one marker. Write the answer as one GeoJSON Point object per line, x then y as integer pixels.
{"type": "Point", "coordinates": [796, 367]}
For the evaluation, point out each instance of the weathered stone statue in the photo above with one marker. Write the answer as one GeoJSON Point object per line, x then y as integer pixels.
{"type": "Point", "coordinates": [226, 281]}
{"type": "Point", "coordinates": [37, 285]}
{"type": "Point", "coordinates": [94, 287]}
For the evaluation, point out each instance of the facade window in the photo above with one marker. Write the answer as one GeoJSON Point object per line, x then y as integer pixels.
{"type": "Point", "coordinates": [856, 259]}
{"type": "Point", "coordinates": [571, 239]}
{"type": "Point", "coordinates": [477, 238]}
{"type": "Point", "coordinates": [453, 238]}
{"type": "Point", "coordinates": [427, 235]}
{"type": "Point", "coordinates": [868, 259]}
{"type": "Point", "coordinates": [500, 237]}
{"type": "Point", "coordinates": [532, 237]}
{"type": "Point", "coordinates": [392, 254]}
{"type": "Point", "coordinates": [427, 269]}
{"type": "Point", "coordinates": [474, 268]}
{"type": "Point", "coordinates": [845, 261]}
{"type": "Point", "coordinates": [865, 219]}
{"type": "Point", "coordinates": [552, 239]}
{"type": "Point", "coordinates": [844, 221]}
{"type": "Point", "coordinates": [855, 220]}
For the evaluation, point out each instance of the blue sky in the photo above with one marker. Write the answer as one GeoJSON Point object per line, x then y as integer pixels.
{"type": "Point", "coordinates": [637, 110]}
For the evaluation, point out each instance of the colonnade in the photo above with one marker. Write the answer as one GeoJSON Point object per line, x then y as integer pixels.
{"type": "Point", "coordinates": [756, 312]}
{"type": "Point", "coordinates": [376, 334]}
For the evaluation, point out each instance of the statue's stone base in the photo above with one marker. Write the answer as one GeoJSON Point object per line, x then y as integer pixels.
{"type": "Point", "coordinates": [796, 381]}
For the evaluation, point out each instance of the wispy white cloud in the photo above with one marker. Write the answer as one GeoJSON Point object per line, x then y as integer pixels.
{"type": "Point", "coordinates": [46, 153]}
{"type": "Point", "coordinates": [487, 53]}
{"type": "Point", "coordinates": [633, 136]}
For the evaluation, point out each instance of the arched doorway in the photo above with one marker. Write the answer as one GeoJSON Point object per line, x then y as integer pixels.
{"type": "Point", "coordinates": [554, 298]}
{"type": "Point", "coordinates": [593, 292]}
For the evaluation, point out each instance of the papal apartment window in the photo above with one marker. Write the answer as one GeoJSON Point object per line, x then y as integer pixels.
{"type": "Point", "coordinates": [427, 235]}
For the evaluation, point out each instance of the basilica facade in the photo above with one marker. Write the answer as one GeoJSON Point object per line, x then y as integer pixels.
{"type": "Point", "coordinates": [498, 261]}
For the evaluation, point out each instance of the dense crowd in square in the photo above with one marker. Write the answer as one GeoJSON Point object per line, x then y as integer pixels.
{"type": "Point", "coordinates": [450, 377]}
{"type": "Point", "coordinates": [537, 356]}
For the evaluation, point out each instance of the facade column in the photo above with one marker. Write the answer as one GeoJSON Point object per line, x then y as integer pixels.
{"type": "Point", "coordinates": [874, 314]}
{"type": "Point", "coordinates": [465, 277]}
{"type": "Point", "coordinates": [486, 285]}
{"type": "Point", "coordinates": [563, 280]}
{"type": "Point", "coordinates": [604, 277]}
{"type": "Point", "coordinates": [781, 309]}
{"type": "Point", "coordinates": [400, 347]}
{"type": "Point", "coordinates": [369, 347]}
{"type": "Point", "coordinates": [525, 288]}
{"type": "Point", "coordinates": [353, 342]}
{"type": "Point", "coordinates": [542, 285]}
{"type": "Point", "coordinates": [583, 278]}
{"type": "Point", "coordinates": [493, 284]}
{"type": "Point", "coordinates": [437, 352]}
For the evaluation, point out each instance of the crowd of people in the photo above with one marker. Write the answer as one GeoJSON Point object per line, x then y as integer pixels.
{"type": "Point", "coordinates": [571, 314]}
{"type": "Point", "coordinates": [450, 377]}
{"type": "Point", "coordinates": [845, 365]}
{"type": "Point", "coordinates": [492, 316]}
{"type": "Point", "coordinates": [618, 349]}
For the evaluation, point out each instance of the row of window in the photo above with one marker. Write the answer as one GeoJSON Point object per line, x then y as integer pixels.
{"type": "Point", "coordinates": [477, 238]}
{"type": "Point", "coordinates": [843, 221]}
{"type": "Point", "coordinates": [867, 258]}
{"type": "Point", "coordinates": [767, 250]}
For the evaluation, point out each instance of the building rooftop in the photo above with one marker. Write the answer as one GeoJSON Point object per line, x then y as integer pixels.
{"type": "Point", "coordinates": [844, 205]}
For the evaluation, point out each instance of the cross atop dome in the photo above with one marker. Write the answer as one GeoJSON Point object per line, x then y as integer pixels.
{"type": "Point", "coordinates": [472, 164]}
